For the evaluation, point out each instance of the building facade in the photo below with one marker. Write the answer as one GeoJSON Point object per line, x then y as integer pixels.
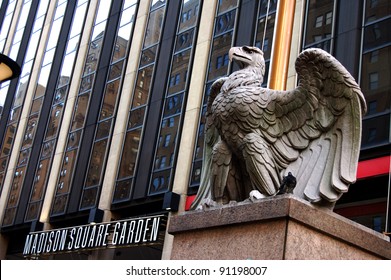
{"type": "Point", "coordinates": [104, 127]}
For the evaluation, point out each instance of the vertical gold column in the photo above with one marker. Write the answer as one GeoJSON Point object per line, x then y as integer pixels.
{"type": "Point", "coordinates": [282, 44]}
{"type": "Point", "coordinates": [67, 118]}
{"type": "Point", "coordinates": [193, 110]}
{"type": "Point", "coordinates": [123, 107]}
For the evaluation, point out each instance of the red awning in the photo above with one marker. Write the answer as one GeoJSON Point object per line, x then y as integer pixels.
{"type": "Point", "coordinates": [373, 167]}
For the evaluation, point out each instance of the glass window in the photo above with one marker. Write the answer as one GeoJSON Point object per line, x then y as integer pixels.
{"type": "Point", "coordinates": [136, 118]}
{"type": "Point", "coordinates": [154, 27]}
{"type": "Point", "coordinates": [319, 21]}
{"type": "Point", "coordinates": [148, 56]}
{"type": "Point", "coordinates": [47, 149]}
{"type": "Point", "coordinates": [129, 154]}
{"type": "Point", "coordinates": [375, 82]}
{"type": "Point", "coordinates": [80, 112]}
{"type": "Point", "coordinates": [122, 190]}
{"type": "Point", "coordinates": [220, 47]}
{"type": "Point", "coordinates": [23, 83]}
{"type": "Point", "coordinates": [23, 157]}
{"type": "Point", "coordinates": [144, 77]}
{"type": "Point", "coordinates": [184, 40]}
{"type": "Point", "coordinates": [96, 163]}
{"type": "Point", "coordinates": [59, 203]}
{"type": "Point", "coordinates": [74, 140]}
{"type": "Point", "coordinates": [225, 22]}
{"type": "Point", "coordinates": [30, 131]}
{"type": "Point", "coordinates": [175, 98]}
{"type": "Point", "coordinates": [378, 9]}
{"type": "Point", "coordinates": [103, 129]}
{"type": "Point", "coordinates": [375, 131]}
{"type": "Point", "coordinates": [89, 198]}
{"type": "Point", "coordinates": [319, 28]}
{"type": "Point", "coordinates": [329, 18]}
{"type": "Point", "coordinates": [377, 35]}
{"type": "Point", "coordinates": [39, 182]}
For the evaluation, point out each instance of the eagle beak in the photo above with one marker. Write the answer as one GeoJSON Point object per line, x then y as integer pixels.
{"type": "Point", "coordinates": [237, 54]}
{"type": "Point", "coordinates": [231, 53]}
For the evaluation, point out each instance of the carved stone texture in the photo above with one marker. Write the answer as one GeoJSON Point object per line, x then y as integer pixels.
{"type": "Point", "coordinates": [255, 136]}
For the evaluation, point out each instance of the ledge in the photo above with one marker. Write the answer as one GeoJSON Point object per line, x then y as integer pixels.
{"type": "Point", "coordinates": [284, 208]}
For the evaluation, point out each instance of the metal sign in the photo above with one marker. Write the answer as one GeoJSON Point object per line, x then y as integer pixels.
{"type": "Point", "coordinates": [136, 231]}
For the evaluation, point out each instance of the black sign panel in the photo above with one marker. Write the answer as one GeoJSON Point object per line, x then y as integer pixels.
{"type": "Point", "coordinates": [137, 231]}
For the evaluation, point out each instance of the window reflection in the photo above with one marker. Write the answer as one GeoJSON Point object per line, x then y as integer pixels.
{"type": "Point", "coordinates": [177, 84]}
{"type": "Point", "coordinates": [148, 56]}
{"type": "Point", "coordinates": [39, 180]}
{"type": "Point", "coordinates": [143, 83]}
{"type": "Point", "coordinates": [226, 5]}
{"type": "Point", "coordinates": [74, 140]}
{"type": "Point", "coordinates": [30, 131]}
{"type": "Point", "coordinates": [160, 181]}
{"type": "Point", "coordinates": [103, 130]}
{"type": "Point", "coordinates": [47, 149]}
{"type": "Point", "coordinates": [136, 117]}
{"type": "Point", "coordinates": [184, 40]}
{"type": "Point", "coordinates": [122, 190]}
{"type": "Point", "coordinates": [129, 154]}
{"type": "Point", "coordinates": [66, 70]}
{"type": "Point", "coordinates": [59, 204]}
{"type": "Point", "coordinates": [180, 65]}
{"type": "Point", "coordinates": [111, 97]}
{"type": "Point", "coordinates": [220, 48]}
{"type": "Point", "coordinates": [89, 198]}
{"type": "Point", "coordinates": [23, 157]}
{"type": "Point", "coordinates": [16, 187]}
{"type": "Point", "coordinates": [54, 121]}
{"type": "Point", "coordinates": [225, 22]}
{"type": "Point", "coordinates": [377, 35]}
{"type": "Point", "coordinates": [63, 184]}
{"type": "Point", "coordinates": [96, 163]}
{"type": "Point", "coordinates": [6, 24]}
{"type": "Point", "coordinates": [110, 100]}
{"type": "Point", "coordinates": [32, 211]}
{"type": "Point", "coordinates": [375, 131]}
{"type": "Point", "coordinates": [376, 9]}
{"type": "Point", "coordinates": [375, 73]}
{"type": "Point", "coordinates": [80, 111]}
{"type": "Point", "coordinates": [319, 22]}
{"type": "Point", "coordinates": [36, 106]}
{"type": "Point", "coordinates": [154, 27]}
{"type": "Point", "coordinates": [19, 95]}
{"type": "Point", "coordinates": [265, 32]}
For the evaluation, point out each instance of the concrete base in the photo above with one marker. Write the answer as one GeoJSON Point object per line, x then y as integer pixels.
{"type": "Point", "coordinates": [279, 228]}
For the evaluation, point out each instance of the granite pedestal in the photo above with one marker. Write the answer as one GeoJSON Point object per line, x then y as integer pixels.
{"type": "Point", "coordinates": [283, 227]}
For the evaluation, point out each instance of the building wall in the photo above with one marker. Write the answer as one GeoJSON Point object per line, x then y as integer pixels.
{"type": "Point", "coordinates": [108, 113]}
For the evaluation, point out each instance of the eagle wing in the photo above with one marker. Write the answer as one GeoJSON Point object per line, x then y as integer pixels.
{"type": "Point", "coordinates": [210, 139]}
{"type": "Point", "coordinates": [314, 130]}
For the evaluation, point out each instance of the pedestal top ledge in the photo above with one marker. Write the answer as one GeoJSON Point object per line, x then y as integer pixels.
{"type": "Point", "coordinates": [284, 207]}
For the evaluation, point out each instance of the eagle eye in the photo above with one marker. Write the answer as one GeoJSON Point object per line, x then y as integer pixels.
{"type": "Point", "coordinates": [248, 50]}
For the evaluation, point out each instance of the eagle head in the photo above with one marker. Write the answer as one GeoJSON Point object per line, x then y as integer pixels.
{"type": "Point", "coordinates": [247, 56]}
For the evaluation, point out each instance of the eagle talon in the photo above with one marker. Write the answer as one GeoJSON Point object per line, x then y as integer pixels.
{"type": "Point", "coordinates": [256, 195]}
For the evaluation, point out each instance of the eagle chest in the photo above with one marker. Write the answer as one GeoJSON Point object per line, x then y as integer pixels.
{"type": "Point", "coordinates": [231, 113]}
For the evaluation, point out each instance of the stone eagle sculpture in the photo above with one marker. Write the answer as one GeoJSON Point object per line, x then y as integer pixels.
{"type": "Point", "coordinates": [255, 136]}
